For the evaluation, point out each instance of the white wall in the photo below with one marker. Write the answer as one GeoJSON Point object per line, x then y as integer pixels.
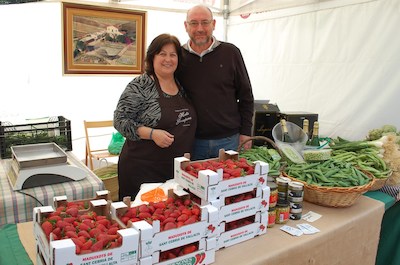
{"type": "Point", "coordinates": [31, 81]}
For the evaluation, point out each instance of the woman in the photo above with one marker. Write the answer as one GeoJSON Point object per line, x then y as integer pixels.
{"type": "Point", "coordinates": [156, 118]}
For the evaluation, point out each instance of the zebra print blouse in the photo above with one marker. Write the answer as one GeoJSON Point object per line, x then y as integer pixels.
{"type": "Point", "coordinates": [138, 106]}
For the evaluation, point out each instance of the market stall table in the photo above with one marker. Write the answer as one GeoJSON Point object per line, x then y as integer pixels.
{"type": "Point", "coordinates": [348, 236]}
{"type": "Point", "coordinates": [17, 206]}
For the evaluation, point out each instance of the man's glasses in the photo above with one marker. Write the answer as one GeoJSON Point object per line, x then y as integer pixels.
{"type": "Point", "coordinates": [203, 23]}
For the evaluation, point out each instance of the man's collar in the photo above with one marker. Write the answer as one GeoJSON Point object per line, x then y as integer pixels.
{"type": "Point", "coordinates": [209, 49]}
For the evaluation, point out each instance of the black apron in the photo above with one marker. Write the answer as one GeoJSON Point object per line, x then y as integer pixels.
{"type": "Point", "coordinates": [144, 161]}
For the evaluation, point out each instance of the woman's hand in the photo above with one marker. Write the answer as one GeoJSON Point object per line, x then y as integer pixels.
{"type": "Point", "coordinates": [162, 138]}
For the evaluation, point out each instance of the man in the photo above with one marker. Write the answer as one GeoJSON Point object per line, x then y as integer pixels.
{"type": "Point", "coordinates": [216, 79]}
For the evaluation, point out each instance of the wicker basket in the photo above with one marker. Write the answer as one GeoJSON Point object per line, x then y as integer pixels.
{"type": "Point", "coordinates": [110, 183]}
{"type": "Point", "coordinates": [260, 138]}
{"type": "Point", "coordinates": [333, 196]}
{"type": "Point", "coordinates": [380, 182]}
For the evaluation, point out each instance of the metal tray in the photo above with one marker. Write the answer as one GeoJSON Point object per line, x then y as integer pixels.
{"type": "Point", "coordinates": [33, 155]}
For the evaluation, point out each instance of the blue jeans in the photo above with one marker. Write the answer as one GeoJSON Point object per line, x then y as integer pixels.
{"type": "Point", "coordinates": [204, 149]}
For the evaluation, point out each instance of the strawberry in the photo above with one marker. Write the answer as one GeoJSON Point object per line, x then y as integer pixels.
{"type": "Point", "coordinates": [71, 234]}
{"type": "Point", "coordinates": [83, 233]}
{"type": "Point", "coordinates": [55, 218]}
{"type": "Point", "coordinates": [72, 211]}
{"type": "Point", "coordinates": [87, 245]}
{"type": "Point", "coordinates": [47, 228]}
{"type": "Point", "coordinates": [191, 220]}
{"type": "Point", "coordinates": [97, 246]}
{"type": "Point", "coordinates": [77, 242]}
{"type": "Point", "coordinates": [182, 218]}
{"type": "Point", "coordinates": [94, 232]}
{"type": "Point", "coordinates": [144, 215]}
{"type": "Point", "coordinates": [104, 222]}
{"type": "Point", "coordinates": [143, 208]}
{"type": "Point", "coordinates": [169, 225]}
{"type": "Point", "coordinates": [189, 249]}
{"type": "Point", "coordinates": [112, 231]}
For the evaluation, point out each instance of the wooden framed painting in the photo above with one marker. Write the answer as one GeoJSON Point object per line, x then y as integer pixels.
{"type": "Point", "coordinates": [103, 40]}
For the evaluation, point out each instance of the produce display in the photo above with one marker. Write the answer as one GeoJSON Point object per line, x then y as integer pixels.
{"type": "Point", "coordinates": [388, 129]}
{"type": "Point", "coordinates": [172, 213]}
{"type": "Point", "coordinates": [330, 173]}
{"type": "Point", "coordinates": [268, 155]}
{"type": "Point", "coordinates": [89, 231]}
{"type": "Point", "coordinates": [180, 251]}
{"type": "Point", "coordinates": [317, 155]}
{"type": "Point", "coordinates": [365, 155]}
{"type": "Point", "coordinates": [231, 168]}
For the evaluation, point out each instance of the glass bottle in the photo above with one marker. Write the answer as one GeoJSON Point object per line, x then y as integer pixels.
{"type": "Point", "coordinates": [314, 141]}
{"type": "Point", "coordinates": [285, 134]}
{"type": "Point", "coordinates": [306, 128]}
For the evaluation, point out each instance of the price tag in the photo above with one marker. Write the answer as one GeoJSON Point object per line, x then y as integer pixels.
{"type": "Point", "coordinates": [311, 216]}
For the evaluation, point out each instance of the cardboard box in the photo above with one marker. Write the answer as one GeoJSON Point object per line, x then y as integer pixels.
{"type": "Point", "coordinates": [205, 255]}
{"type": "Point", "coordinates": [242, 209]}
{"type": "Point", "coordinates": [243, 233]}
{"type": "Point", "coordinates": [153, 240]}
{"type": "Point", "coordinates": [55, 129]}
{"type": "Point", "coordinates": [209, 185]}
{"type": "Point", "coordinates": [63, 200]}
{"type": "Point", "coordinates": [63, 251]}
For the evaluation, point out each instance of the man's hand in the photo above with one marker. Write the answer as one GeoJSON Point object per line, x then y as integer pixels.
{"type": "Point", "coordinates": [244, 138]}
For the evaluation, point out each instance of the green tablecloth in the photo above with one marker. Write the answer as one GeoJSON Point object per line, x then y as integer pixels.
{"type": "Point", "coordinates": [12, 251]}
{"type": "Point", "coordinates": [389, 243]}
{"type": "Point", "coordinates": [383, 197]}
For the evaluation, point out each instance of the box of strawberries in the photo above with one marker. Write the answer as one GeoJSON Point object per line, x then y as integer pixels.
{"type": "Point", "coordinates": [83, 232]}
{"type": "Point", "coordinates": [226, 175]}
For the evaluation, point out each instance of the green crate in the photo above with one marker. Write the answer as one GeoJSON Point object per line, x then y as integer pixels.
{"type": "Point", "coordinates": [56, 129]}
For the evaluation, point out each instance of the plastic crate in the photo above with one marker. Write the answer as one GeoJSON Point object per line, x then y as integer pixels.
{"type": "Point", "coordinates": [56, 129]}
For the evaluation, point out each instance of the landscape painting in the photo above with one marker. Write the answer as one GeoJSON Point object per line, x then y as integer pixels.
{"type": "Point", "coordinates": [102, 40]}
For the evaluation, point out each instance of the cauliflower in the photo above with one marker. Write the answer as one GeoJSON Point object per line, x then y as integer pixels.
{"type": "Point", "coordinates": [389, 128]}
{"type": "Point", "coordinates": [377, 133]}
{"type": "Point", "coordinates": [374, 134]}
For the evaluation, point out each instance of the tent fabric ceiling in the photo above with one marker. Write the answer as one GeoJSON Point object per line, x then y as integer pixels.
{"type": "Point", "coordinates": [220, 7]}
{"type": "Point", "coordinates": [254, 6]}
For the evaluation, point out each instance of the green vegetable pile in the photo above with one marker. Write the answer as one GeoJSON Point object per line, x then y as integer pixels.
{"type": "Point", "coordinates": [365, 155]}
{"type": "Point", "coordinates": [330, 173]}
{"type": "Point", "coordinates": [268, 155]}
{"type": "Point", "coordinates": [388, 129]}
{"type": "Point", "coordinates": [107, 172]}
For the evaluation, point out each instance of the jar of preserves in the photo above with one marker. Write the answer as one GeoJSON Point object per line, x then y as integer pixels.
{"type": "Point", "coordinates": [273, 196]}
{"type": "Point", "coordinates": [295, 202]}
{"type": "Point", "coordinates": [295, 214]}
{"type": "Point", "coordinates": [271, 217]}
{"type": "Point", "coordinates": [283, 184]}
{"type": "Point", "coordinates": [282, 213]}
{"type": "Point", "coordinates": [295, 189]}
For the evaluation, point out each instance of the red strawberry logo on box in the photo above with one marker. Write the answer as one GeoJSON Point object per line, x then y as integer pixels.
{"type": "Point", "coordinates": [261, 180]}
{"type": "Point", "coordinates": [264, 203]}
{"type": "Point", "coordinates": [200, 258]}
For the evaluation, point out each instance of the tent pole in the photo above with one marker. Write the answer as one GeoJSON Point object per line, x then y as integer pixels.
{"type": "Point", "coordinates": [225, 13]}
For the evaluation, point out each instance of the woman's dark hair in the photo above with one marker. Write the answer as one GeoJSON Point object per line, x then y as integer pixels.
{"type": "Point", "coordinates": [155, 48]}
